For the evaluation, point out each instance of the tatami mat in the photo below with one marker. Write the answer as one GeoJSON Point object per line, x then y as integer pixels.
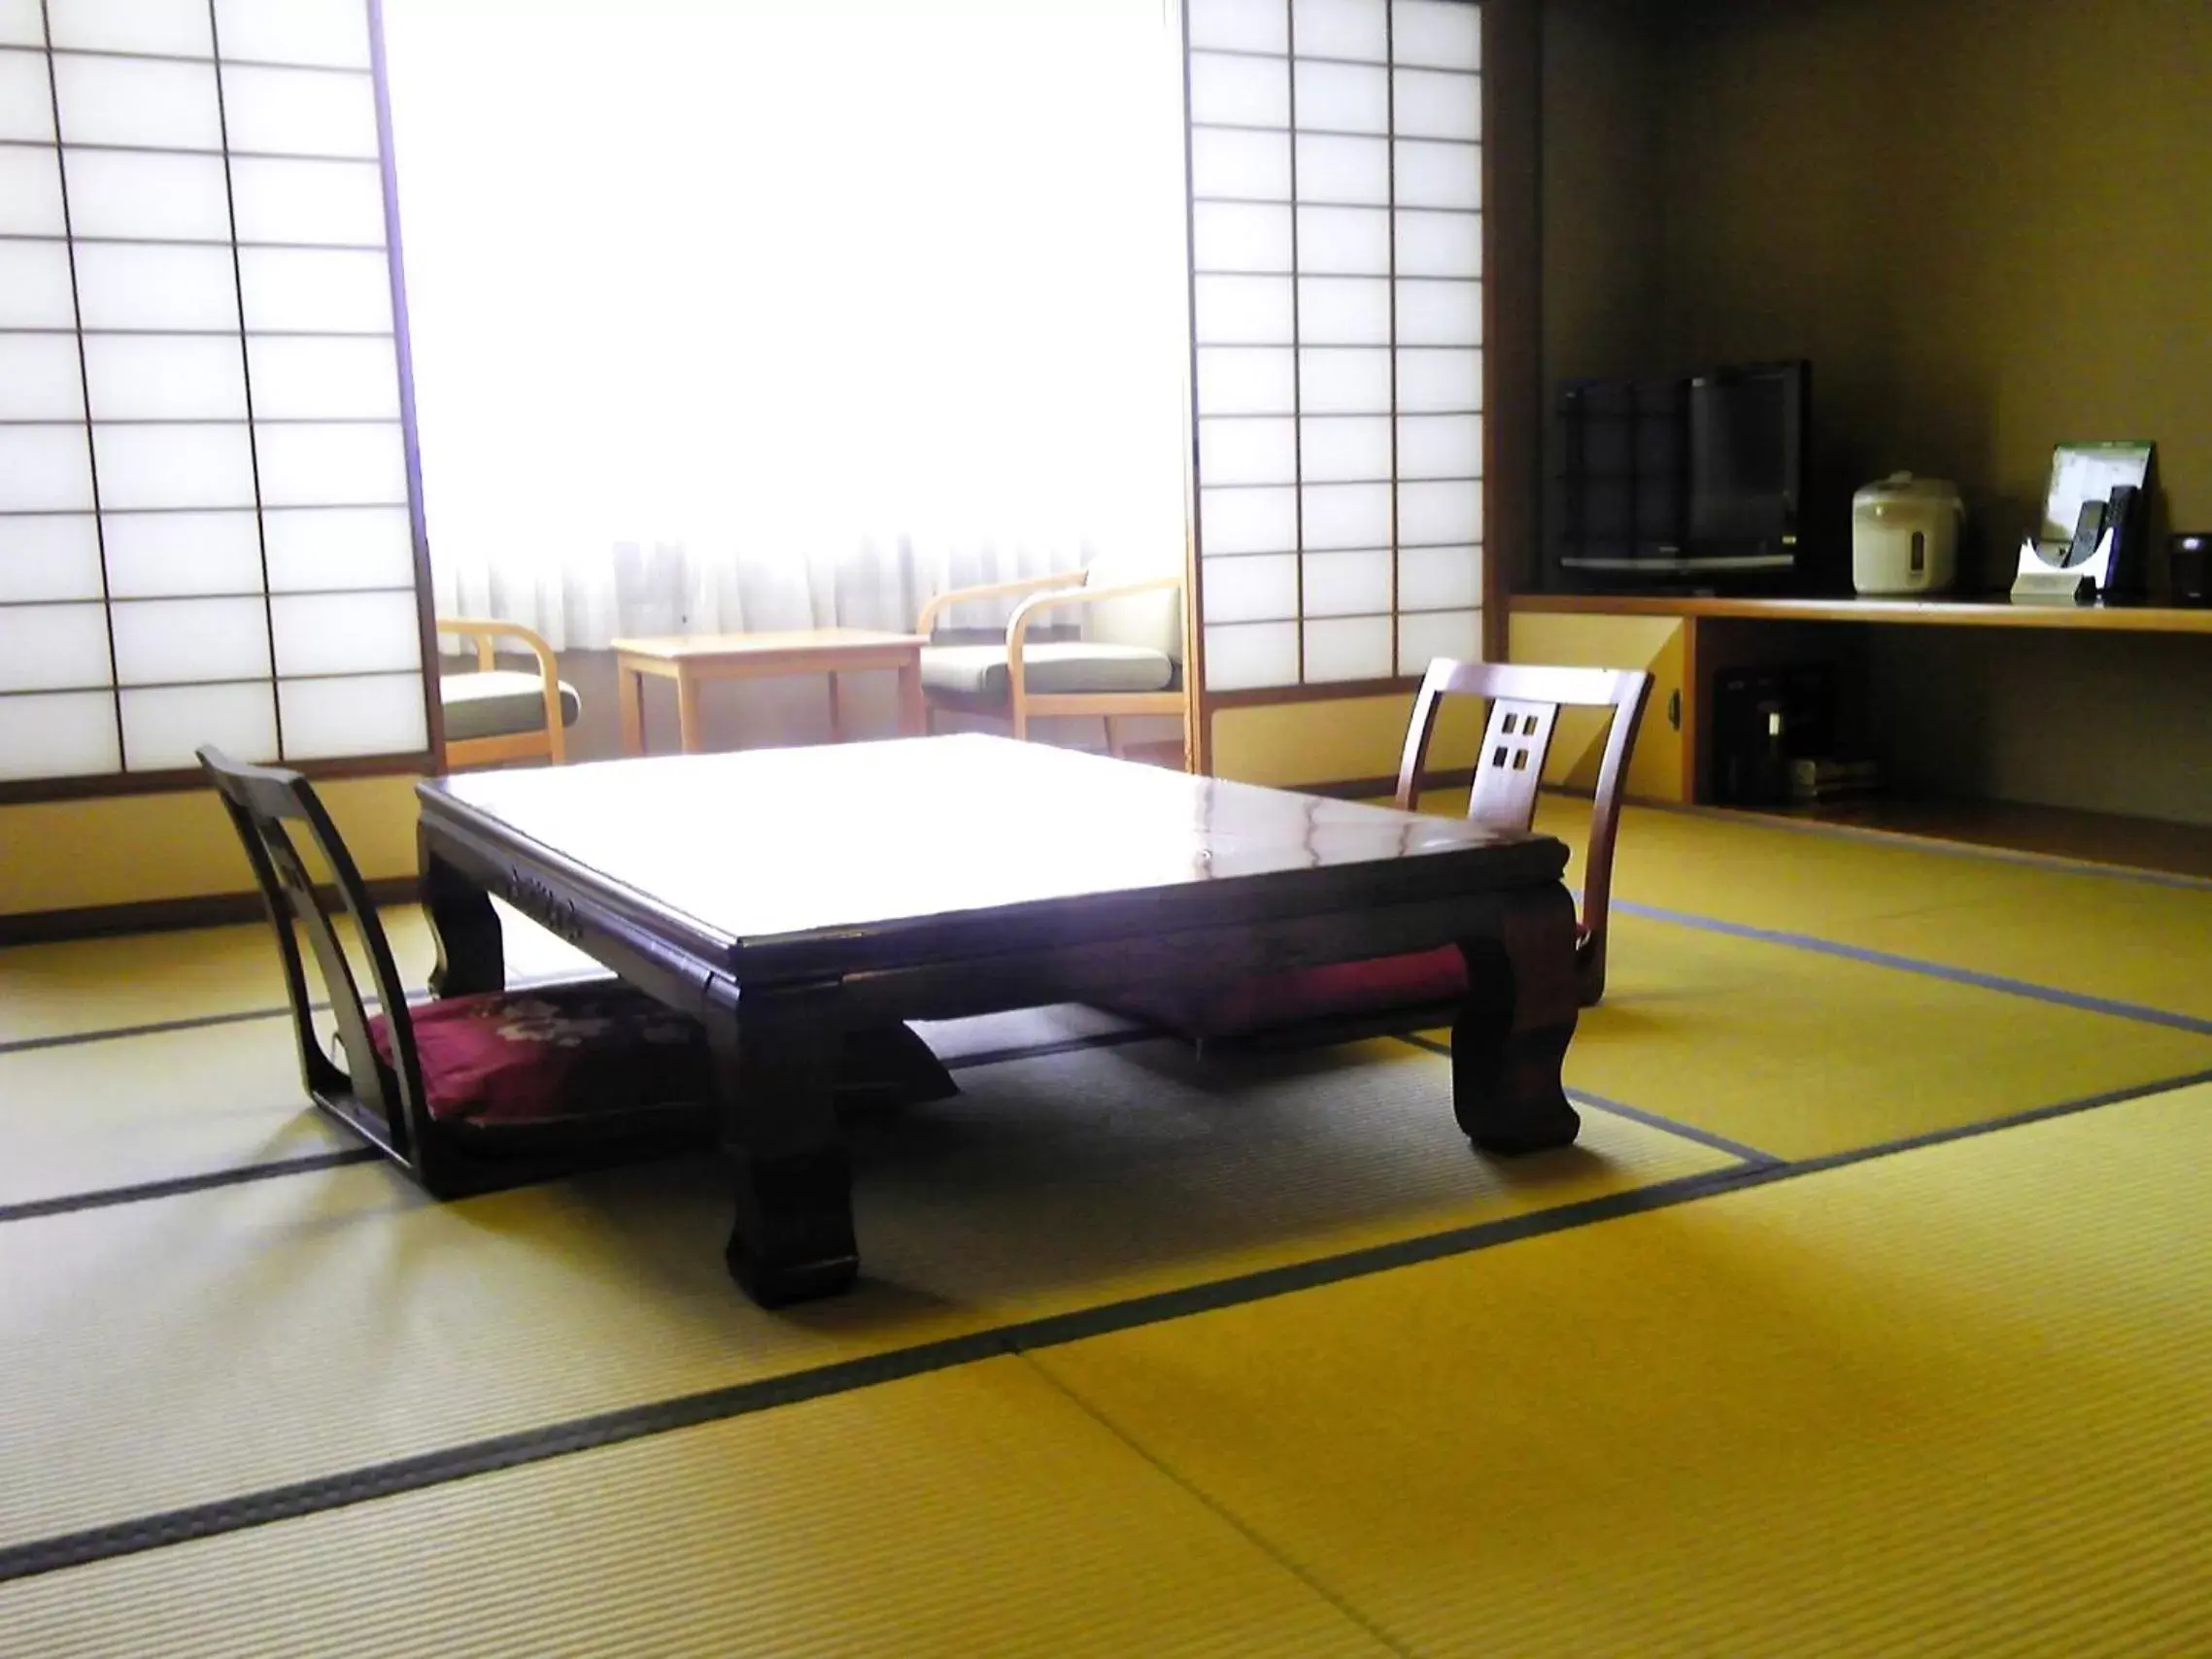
{"type": "Point", "coordinates": [2086, 932]}
{"type": "Point", "coordinates": [969, 1512]}
{"type": "Point", "coordinates": [1800, 1054]}
{"type": "Point", "coordinates": [1946, 1402]}
{"type": "Point", "coordinates": [215, 1343]}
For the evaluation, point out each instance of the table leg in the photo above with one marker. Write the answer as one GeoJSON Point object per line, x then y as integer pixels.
{"type": "Point", "coordinates": [913, 708]}
{"type": "Point", "coordinates": [776, 1065]}
{"type": "Point", "coordinates": [836, 707]}
{"type": "Point", "coordinates": [630, 699]}
{"type": "Point", "coordinates": [1511, 1034]}
{"type": "Point", "coordinates": [688, 731]}
{"type": "Point", "coordinates": [471, 956]}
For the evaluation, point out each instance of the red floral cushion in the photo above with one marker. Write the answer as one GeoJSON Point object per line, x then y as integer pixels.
{"type": "Point", "coordinates": [532, 1056]}
{"type": "Point", "coordinates": [1335, 991]}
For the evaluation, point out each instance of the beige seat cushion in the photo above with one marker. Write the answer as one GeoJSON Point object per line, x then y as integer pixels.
{"type": "Point", "coordinates": [1078, 668]}
{"type": "Point", "coordinates": [500, 702]}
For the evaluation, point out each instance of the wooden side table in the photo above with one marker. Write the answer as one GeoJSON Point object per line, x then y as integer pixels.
{"type": "Point", "coordinates": [689, 659]}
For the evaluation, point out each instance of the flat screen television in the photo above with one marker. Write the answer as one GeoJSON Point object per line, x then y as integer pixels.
{"type": "Point", "coordinates": [1745, 455]}
{"type": "Point", "coordinates": [1699, 480]}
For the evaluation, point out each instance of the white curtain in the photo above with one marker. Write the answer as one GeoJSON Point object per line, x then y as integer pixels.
{"type": "Point", "coordinates": [787, 313]}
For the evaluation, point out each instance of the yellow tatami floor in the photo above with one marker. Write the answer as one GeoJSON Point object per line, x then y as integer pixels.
{"type": "Point", "coordinates": [1872, 1314]}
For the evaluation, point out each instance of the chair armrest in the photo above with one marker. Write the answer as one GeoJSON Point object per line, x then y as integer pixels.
{"type": "Point", "coordinates": [1029, 610]}
{"type": "Point", "coordinates": [483, 631]}
{"type": "Point", "coordinates": [927, 621]}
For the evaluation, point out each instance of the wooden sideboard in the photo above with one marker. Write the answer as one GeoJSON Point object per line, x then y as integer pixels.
{"type": "Point", "coordinates": [1686, 641]}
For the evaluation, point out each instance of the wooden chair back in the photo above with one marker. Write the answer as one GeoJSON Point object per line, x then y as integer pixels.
{"type": "Point", "coordinates": [384, 1103]}
{"type": "Point", "coordinates": [1525, 700]}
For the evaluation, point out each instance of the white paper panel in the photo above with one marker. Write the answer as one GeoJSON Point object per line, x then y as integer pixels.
{"type": "Point", "coordinates": [1344, 381]}
{"type": "Point", "coordinates": [174, 27]}
{"type": "Point", "coordinates": [50, 556]}
{"type": "Point", "coordinates": [295, 32]}
{"type": "Point", "coordinates": [309, 201]}
{"type": "Point", "coordinates": [45, 468]}
{"type": "Point", "coordinates": [1345, 448]}
{"type": "Point", "coordinates": [1353, 241]}
{"type": "Point", "coordinates": [174, 466]}
{"type": "Point", "coordinates": [26, 101]}
{"type": "Point", "coordinates": [128, 100]}
{"type": "Point", "coordinates": [21, 22]}
{"type": "Point", "coordinates": [1243, 91]}
{"type": "Point", "coordinates": [1245, 657]}
{"type": "Point", "coordinates": [1440, 446]}
{"type": "Point", "coordinates": [1245, 381]}
{"type": "Point", "coordinates": [1434, 313]}
{"type": "Point", "coordinates": [1247, 451]}
{"type": "Point", "coordinates": [1454, 634]}
{"type": "Point", "coordinates": [1439, 175]}
{"type": "Point", "coordinates": [1340, 28]}
{"type": "Point", "coordinates": [299, 112]}
{"type": "Point", "coordinates": [375, 715]}
{"type": "Point", "coordinates": [1438, 578]}
{"type": "Point", "coordinates": [30, 192]}
{"type": "Point", "coordinates": [311, 288]}
{"type": "Point", "coordinates": [1347, 648]}
{"type": "Point", "coordinates": [1347, 514]}
{"type": "Point", "coordinates": [1260, 588]}
{"type": "Point", "coordinates": [39, 378]}
{"type": "Point", "coordinates": [64, 736]}
{"type": "Point", "coordinates": [1348, 584]}
{"type": "Point", "coordinates": [34, 286]}
{"type": "Point", "coordinates": [1439, 244]}
{"type": "Point", "coordinates": [156, 287]}
{"type": "Point", "coordinates": [1343, 310]}
{"type": "Point", "coordinates": [1342, 97]}
{"type": "Point", "coordinates": [1444, 33]}
{"type": "Point", "coordinates": [1354, 171]}
{"type": "Point", "coordinates": [297, 379]}
{"type": "Point", "coordinates": [1440, 380]}
{"type": "Point", "coordinates": [1229, 163]}
{"type": "Point", "coordinates": [122, 193]}
{"type": "Point", "coordinates": [336, 465]}
{"type": "Point", "coordinates": [1429, 514]}
{"type": "Point", "coordinates": [1240, 236]}
{"type": "Point", "coordinates": [1242, 25]}
{"type": "Point", "coordinates": [345, 633]}
{"type": "Point", "coordinates": [1429, 104]}
{"type": "Point", "coordinates": [53, 648]}
{"type": "Point", "coordinates": [1243, 310]}
{"type": "Point", "coordinates": [1248, 521]}
{"type": "Point", "coordinates": [167, 556]}
{"type": "Point", "coordinates": [338, 547]}
{"type": "Point", "coordinates": [164, 641]}
{"type": "Point", "coordinates": [163, 729]}
{"type": "Point", "coordinates": [165, 377]}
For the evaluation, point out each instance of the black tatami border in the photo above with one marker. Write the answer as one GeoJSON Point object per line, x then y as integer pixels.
{"type": "Point", "coordinates": [300, 1499]}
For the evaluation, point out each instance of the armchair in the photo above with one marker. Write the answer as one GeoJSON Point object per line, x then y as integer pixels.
{"type": "Point", "coordinates": [1127, 660]}
{"type": "Point", "coordinates": [505, 714]}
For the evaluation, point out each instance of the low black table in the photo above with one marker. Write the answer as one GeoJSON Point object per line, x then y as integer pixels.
{"type": "Point", "coordinates": [788, 896]}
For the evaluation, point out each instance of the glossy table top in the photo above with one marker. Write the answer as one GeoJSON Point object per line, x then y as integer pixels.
{"type": "Point", "coordinates": [770, 844]}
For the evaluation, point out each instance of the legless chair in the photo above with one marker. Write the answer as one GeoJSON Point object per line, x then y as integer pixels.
{"type": "Point", "coordinates": [1128, 661]}
{"type": "Point", "coordinates": [1343, 1001]}
{"type": "Point", "coordinates": [502, 714]}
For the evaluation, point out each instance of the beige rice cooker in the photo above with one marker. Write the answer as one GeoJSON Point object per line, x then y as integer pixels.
{"type": "Point", "coordinates": [1904, 536]}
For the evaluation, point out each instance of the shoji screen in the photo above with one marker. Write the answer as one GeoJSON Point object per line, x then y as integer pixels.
{"type": "Point", "coordinates": [205, 524]}
{"type": "Point", "coordinates": [1336, 174]}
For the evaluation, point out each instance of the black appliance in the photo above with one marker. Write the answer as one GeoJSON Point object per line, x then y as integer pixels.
{"type": "Point", "coordinates": [2192, 568]}
{"type": "Point", "coordinates": [1763, 719]}
{"type": "Point", "coordinates": [1699, 481]}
